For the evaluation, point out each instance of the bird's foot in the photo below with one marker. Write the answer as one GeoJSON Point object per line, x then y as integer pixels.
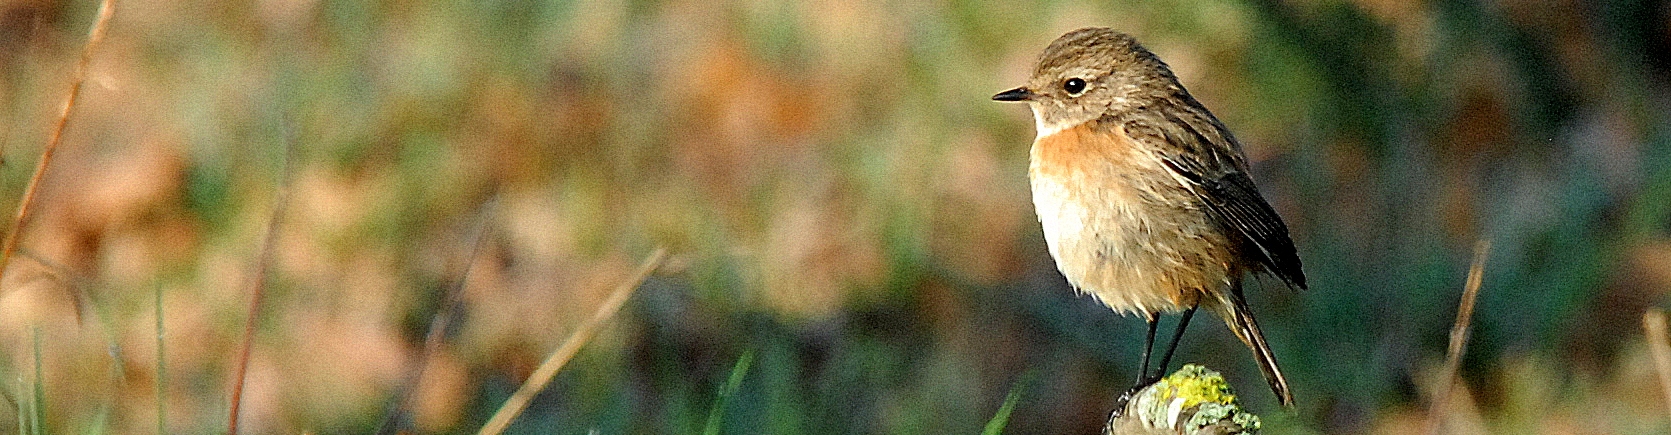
{"type": "Point", "coordinates": [1125, 397]}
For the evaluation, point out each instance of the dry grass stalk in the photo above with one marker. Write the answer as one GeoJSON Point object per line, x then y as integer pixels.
{"type": "Point", "coordinates": [107, 8]}
{"type": "Point", "coordinates": [439, 323]}
{"type": "Point", "coordinates": [582, 334]}
{"type": "Point", "coordinates": [1458, 340]}
{"type": "Point", "coordinates": [258, 284]}
{"type": "Point", "coordinates": [1660, 346]}
{"type": "Point", "coordinates": [258, 287]}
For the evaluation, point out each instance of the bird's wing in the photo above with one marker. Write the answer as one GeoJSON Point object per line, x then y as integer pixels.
{"type": "Point", "coordinates": [1202, 153]}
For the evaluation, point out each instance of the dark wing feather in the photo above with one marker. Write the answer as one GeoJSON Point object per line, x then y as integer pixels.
{"type": "Point", "coordinates": [1201, 151]}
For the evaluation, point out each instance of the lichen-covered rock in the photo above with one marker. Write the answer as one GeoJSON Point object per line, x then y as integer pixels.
{"type": "Point", "coordinates": [1191, 401]}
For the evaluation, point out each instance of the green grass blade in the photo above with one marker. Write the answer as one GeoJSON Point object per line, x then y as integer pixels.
{"type": "Point", "coordinates": [22, 407]}
{"type": "Point", "coordinates": [731, 385]}
{"type": "Point", "coordinates": [162, 370]}
{"type": "Point", "coordinates": [39, 411]}
{"type": "Point", "coordinates": [1000, 419]}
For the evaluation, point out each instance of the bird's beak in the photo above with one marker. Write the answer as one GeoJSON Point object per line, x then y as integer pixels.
{"type": "Point", "coordinates": [1017, 94]}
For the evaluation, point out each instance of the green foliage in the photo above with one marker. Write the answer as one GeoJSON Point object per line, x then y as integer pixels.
{"type": "Point", "coordinates": [995, 426]}
{"type": "Point", "coordinates": [735, 381]}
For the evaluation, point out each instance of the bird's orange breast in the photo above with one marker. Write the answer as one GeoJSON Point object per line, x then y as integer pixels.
{"type": "Point", "coordinates": [1088, 149]}
{"type": "Point", "coordinates": [1119, 226]}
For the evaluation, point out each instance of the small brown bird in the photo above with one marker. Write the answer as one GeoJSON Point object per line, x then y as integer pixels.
{"type": "Point", "coordinates": [1144, 196]}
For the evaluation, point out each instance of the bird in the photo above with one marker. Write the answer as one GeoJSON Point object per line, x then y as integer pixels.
{"type": "Point", "coordinates": [1145, 198]}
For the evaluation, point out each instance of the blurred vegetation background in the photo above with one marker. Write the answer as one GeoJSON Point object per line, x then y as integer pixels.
{"type": "Point", "coordinates": [841, 200]}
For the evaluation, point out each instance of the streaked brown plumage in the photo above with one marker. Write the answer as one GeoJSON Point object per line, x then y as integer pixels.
{"type": "Point", "coordinates": [1144, 196]}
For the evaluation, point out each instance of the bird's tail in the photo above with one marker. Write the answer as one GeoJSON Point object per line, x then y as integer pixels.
{"type": "Point", "coordinates": [1240, 319]}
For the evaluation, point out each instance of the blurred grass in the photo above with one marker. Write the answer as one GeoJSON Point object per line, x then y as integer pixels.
{"type": "Point", "coordinates": [1000, 419]}
{"type": "Point", "coordinates": [732, 383]}
{"type": "Point", "coordinates": [841, 198]}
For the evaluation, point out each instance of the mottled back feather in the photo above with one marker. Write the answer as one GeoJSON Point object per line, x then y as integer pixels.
{"type": "Point", "coordinates": [1195, 146]}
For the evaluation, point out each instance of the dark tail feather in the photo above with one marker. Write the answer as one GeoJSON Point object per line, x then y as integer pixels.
{"type": "Point", "coordinates": [1240, 320]}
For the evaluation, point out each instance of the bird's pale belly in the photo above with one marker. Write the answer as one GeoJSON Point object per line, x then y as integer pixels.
{"type": "Point", "coordinates": [1134, 249]}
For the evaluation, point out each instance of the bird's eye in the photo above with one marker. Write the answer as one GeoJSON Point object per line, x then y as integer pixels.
{"type": "Point", "coordinates": [1074, 86]}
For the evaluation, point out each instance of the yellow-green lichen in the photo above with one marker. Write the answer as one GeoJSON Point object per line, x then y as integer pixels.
{"type": "Point", "coordinates": [1197, 385]}
{"type": "Point", "coordinates": [1192, 398]}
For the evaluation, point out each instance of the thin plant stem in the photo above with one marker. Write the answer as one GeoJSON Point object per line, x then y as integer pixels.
{"type": "Point", "coordinates": [107, 8]}
{"type": "Point", "coordinates": [258, 286]}
{"type": "Point", "coordinates": [1458, 339]}
{"type": "Point", "coordinates": [439, 323]}
{"type": "Point", "coordinates": [583, 333]}
{"type": "Point", "coordinates": [1660, 346]}
{"type": "Point", "coordinates": [23, 412]}
{"type": "Point", "coordinates": [732, 384]}
{"type": "Point", "coordinates": [162, 370]}
{"type": "Point", "coordinates": [995, 426]}
{"type": "Point", "coordinates": [37, 412]}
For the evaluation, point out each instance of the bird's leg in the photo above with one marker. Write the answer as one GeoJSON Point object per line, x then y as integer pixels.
{"type": "Point", "coordinates": [1143, 379]}
{"type": "Point", "coordinates": [1166, 359]}
{"type": "Point", "coordinates": [1148, 345]}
